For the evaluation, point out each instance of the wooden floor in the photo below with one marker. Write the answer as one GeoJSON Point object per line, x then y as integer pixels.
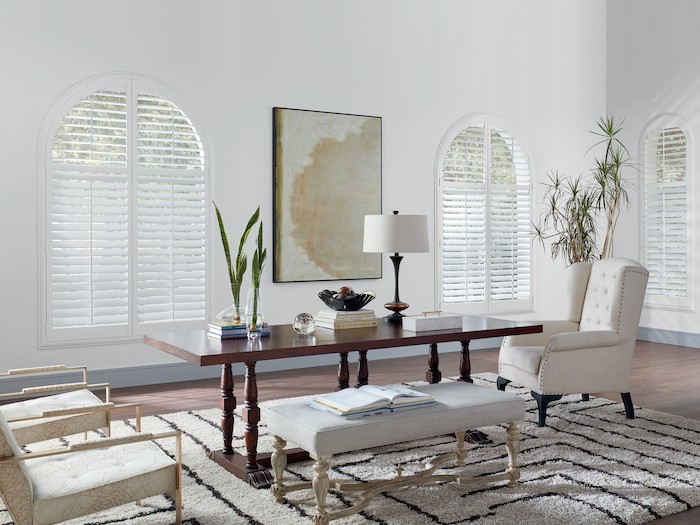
{"type": "Point", "coordinates": [664, 378]}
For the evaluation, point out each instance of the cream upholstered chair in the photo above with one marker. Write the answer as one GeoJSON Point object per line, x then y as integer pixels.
{"type": "Point", "coordinates": [60, 409]}
{"type": "Point", "coordinates": [588, 352]}
{"type": "Point", "coordinates": [42, 488]}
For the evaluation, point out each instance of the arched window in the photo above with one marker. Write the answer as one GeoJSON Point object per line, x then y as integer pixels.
{"type": "Point", "coordinates": [125, 215]}
{"type": "Point", "coordinates": [666, 208]}
{"type": "Point", "coordinates": [484, 206]}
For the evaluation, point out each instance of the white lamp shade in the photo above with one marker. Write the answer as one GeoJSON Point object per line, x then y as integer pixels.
{"type": "Point", "coordinates": [395, 234]}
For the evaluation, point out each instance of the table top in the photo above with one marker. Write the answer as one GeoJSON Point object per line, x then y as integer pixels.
{"type": "Point", "coordinates": [201, 349]}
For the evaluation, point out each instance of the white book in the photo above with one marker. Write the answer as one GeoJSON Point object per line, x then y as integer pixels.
{"type": "Point", "coordinates": [371, 399]}
{"type": "Point", "coordinates": [339, 325]}
{"type": "Point", "coordinates": [334, 315]}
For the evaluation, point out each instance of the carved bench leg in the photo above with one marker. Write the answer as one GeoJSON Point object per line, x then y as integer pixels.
{"type": "Point", "coordinates": [278, 461]}
{"type": "Point", "coordinates": [321, 484]}
{"type": "Point", "coordinates": [459, 449]}
{"type": "Point", "coordinates": [513, 448]}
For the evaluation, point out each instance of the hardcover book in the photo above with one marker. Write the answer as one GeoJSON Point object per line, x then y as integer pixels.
{"type": "Point", "coordinates": [371, 399]}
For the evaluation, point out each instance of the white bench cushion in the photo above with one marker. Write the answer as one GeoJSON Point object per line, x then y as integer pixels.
{"type": "Point", "coordinates": [460, 406]}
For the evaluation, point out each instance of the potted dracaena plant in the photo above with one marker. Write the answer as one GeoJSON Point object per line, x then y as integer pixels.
{"type": "Point", "coordinates": [573, 208]}
{"type": "Point", "coordinates": [237, 270]}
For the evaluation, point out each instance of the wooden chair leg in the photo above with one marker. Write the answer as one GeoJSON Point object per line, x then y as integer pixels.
{"type": "Point", "coordinates": [501, 383]}
{"type": "Point", "coordinates": [629, 407]}
{"type": "Point", "coordinates": [542, 401]}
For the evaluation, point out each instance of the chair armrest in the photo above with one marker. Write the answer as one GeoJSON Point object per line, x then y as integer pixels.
{"type": "Point", "coordinates": [42, 369]}
{"type": "Point", "coordinates": [579, 340]}
{"type": "Point", "coordinates": [60, 387]}
{"type": "Point", "coordinates": [549, 328]}
{"type": "Point", "coordinates": [83, 410]}
{"type": "Point", "coordinates": [92, 445]}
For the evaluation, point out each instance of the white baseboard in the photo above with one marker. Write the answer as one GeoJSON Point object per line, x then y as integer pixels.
{"type": "Point", "coordinates": [668, 337]}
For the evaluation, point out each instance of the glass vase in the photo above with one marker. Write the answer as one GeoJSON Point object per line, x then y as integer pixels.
{"type": "Point", "coordinates": [254, 317]}
{"type": "Point", "coordinates": [231, 315]}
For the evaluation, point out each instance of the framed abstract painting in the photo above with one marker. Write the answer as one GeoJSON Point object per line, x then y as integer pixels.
{"type": "Point", "coordinates": [327, 177]}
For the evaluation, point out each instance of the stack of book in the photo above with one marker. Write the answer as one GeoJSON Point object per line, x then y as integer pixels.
{"type": "Point", "coordinates": [338, 320]}
{"type": "Point", "coordinates": [227, 330]}
{"type": "Point", "coordinates": [351, 403]}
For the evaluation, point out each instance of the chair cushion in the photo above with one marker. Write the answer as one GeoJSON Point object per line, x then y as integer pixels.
{"type": "Point", "coordinates": [72, 485]}
{"type": "Point", "coordinates": [34, 430]}
{"type": "Point", "coordinates": [527, 358]}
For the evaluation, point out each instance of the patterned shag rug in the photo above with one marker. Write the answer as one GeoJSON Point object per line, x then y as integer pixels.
{"type": "Point", "coordinates": [589, 465]}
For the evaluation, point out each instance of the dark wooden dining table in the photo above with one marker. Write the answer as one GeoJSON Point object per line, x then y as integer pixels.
{"type": "Point", "coordinates": [199, 348]}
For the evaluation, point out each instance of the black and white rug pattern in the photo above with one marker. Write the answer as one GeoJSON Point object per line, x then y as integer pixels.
{"type": "Point", "coordinates": [589, 465]}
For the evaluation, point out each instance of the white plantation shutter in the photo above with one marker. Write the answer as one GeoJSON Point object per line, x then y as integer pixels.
{"type": "Point", "coordinates": [464, 217]}
{"type": "Point", "coordinates": [171, 214]}
{"type": "Point", "coordinates": [666, 217]}
{"type": "Point", "coordinates": [509, 224]}
{"type": "Point", "coordinates": [485, 220]}
{"type": "Point", "coordinates": [125, 230]}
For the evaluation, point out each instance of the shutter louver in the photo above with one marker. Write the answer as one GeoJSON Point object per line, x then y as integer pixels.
{"type": "Point", "coordinates": [485, 220]}
{"type": "Point", "coordinates": [171, 214]}
{"type": "Point", "coordinates": [666, 216]}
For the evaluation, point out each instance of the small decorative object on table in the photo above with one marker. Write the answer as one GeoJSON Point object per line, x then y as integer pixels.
{"type": "Point", "coordinates": [304, 324]}
{"type": "Point", "coordinates": [345, 299]}
{"type": "Point", "coordinates": [435, 320]}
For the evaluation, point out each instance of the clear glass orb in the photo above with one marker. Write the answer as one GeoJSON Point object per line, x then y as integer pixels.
{"type": "Point", "coordinates": [304, 324]}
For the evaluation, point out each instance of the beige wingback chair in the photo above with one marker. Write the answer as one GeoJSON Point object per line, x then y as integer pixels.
{"type": "Point", "coordinates": [48, 487]}
{"type": "Point", "coordinates": [590, 351]}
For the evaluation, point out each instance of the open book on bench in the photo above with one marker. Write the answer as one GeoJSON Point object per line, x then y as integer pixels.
{"type": "Point", "coordinates": [371, 399]}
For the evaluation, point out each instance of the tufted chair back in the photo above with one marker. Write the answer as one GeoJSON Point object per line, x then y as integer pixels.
{"type": "Point", "coordinates": [15, 487]}
{"type": "Point", "coordinates": [614, 297]}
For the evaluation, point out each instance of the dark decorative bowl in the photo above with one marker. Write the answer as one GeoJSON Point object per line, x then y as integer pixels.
{"type": "Point", "coordinates": [351, 303]}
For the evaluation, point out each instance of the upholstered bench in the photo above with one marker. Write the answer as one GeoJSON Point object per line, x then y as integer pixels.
{"type": "Point", "coordinates": [458, 406]}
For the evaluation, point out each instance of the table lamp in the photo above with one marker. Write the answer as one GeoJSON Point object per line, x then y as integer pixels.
{"type": "Point", "coordinates": [393, 234]}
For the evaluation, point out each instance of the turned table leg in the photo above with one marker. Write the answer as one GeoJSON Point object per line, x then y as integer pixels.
{"type": "Point", "coordinates": [227, 403]}
{"type": "Point", "coordinates": [465, 365]}
{"type": "Point", "coordinates": [433, 375]}
{"type": "Point", "coordinates": [362, 369]}
{"type": "Point", "coordinates": [343, 372]}
{"type": "Point", "coordinates": [251, 416]}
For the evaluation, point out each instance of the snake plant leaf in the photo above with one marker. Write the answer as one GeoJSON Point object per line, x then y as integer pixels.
{"type": "Point", "coordinates": [259, 258]}
{"type": "Point", "coordinates": [224, 241]}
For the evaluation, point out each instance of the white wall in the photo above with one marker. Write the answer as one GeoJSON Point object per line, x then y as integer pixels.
{"type": "Point", "coordinates": [653, 69]}
{"type": "Point", "coordinates": [419, 64]}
